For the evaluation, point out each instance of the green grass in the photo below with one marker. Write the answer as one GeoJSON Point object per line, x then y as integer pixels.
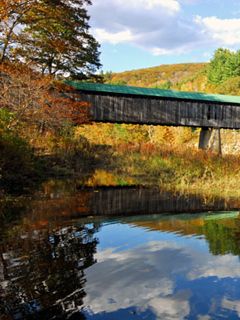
{"type": "Point", "coordinates": [186, 170]}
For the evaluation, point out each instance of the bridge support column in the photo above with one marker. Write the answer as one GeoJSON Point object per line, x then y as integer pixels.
{"type": "Point", "coordinates": [210, 139]}
{"type": "Point", "coordinates": [204, 139]}
{"type": "Point", "coordinates": [216, 143]}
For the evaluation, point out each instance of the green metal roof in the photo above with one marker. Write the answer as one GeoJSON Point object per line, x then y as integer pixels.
{"type": "Point", "coordinates": [128, 90]}
{"type": "Point", "coordinates": [222, 215]}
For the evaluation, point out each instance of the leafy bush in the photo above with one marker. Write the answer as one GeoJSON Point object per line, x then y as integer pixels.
{"type": "Point", "coordinates": [17, 162]}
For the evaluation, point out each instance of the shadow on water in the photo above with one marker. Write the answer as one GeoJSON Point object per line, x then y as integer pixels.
{"type": "Point", "coordinates": [42, 270]}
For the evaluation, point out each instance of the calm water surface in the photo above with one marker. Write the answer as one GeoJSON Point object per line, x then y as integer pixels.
{"type": "Point", "coordinates": [55, 264]}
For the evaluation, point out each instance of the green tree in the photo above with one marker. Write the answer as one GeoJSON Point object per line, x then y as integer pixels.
{"type": "Point", "coordinates": [165, 85]}
{"type": "Point", "coordinates": [55, 39]}
{"type": "Point", "coordinates": [224, 65]}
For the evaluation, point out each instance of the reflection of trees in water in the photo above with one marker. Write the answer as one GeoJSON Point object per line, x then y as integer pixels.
{"type": "Point", "coordinates": [43, 272]}
{"type": "Point", "coordinates": [223, 238]}
{"type": "Point", "coordinates": [222, 234]}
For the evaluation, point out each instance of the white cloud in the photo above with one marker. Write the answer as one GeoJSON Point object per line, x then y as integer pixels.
{"type": "Point", "coordinates": [223, 31]}
{"type": "Point", "coordinates": [233, 305]}
{"type": "Point", "coordinates": [160, 26]}
{"type": "Point", "coordinates": [114, 38]}
{"type": "Point", "coordinates": [155, 25]}
{"type": "Point", "coordinates": [160, 51]}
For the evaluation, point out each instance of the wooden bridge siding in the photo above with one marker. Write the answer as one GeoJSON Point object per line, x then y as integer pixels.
{"type": "Point", "coordinates": [127, 201]}
{"type": "Point", "coordinates": [160, 111]}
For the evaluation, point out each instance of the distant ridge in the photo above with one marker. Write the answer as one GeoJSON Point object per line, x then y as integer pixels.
{"type": "Point", "coordinates": [188, 77]}
{"type": "Point", "coordinates": [184, 77]}
{"type": "Point", "coordinates": [166, 65]}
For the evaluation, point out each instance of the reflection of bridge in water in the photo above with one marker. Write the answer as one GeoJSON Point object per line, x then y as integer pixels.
{"type": "Point", "coordinates": [127, 201]}
{"type": "Point", "coordinates": [152, 208]}
{"type": "Point", "coordinates": [54, 240]}
{"type": "Point", "coordinates": [125, 104]}
{"type": "Point", "coordinates": [132, 201]}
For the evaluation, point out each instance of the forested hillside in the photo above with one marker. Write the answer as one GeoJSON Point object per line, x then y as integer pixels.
{"type": "Point", "coordinates": [187, 76]}
{"type": "Point", "coordinates": [221, 75]}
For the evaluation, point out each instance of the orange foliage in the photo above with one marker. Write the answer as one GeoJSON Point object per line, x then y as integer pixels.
{"type": "Point", "coordinates": [11, 15]}
{"type": "Point", "coordinates": [144, 148]}
{"type": "Point", "coordinates": [39, 99]}
{"type": "Point", "coordinates": [177, 74]}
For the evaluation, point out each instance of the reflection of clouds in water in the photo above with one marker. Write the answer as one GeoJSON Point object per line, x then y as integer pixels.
{"type": "Point", "coordinates": [140, 277]}
{"type": "Point", "coordinates": [217, 266]}
{"type": "Point", "coordinates": [231, 305]}
{"type": "Point", "coordinates": [201, 317]}
{"type": "Point", "coordinates": [144, 277]}
{"type": "Point", "coordinates": [171, 307]}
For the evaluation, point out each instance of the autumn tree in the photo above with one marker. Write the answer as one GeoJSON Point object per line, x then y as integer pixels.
{"type": "Point", "coordinates": [12, 13]}
{"type": "Point", "coordinates": [56, 39]}
{"type": "Point", "coordinates": [38, 100]}
{"type": "Point", "coordinates": [52, 35]}
{"type": "Point", "coordinates": [230, 86]}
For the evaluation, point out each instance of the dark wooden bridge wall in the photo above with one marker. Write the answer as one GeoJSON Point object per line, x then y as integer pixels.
{"type": "Point", "coordinates": [162, 111]}
{"type": "Point", "coordinates": [128, 201]}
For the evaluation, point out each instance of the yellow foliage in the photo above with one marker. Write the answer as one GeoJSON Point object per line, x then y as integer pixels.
{"type": "Point", "coordinates": [188, 76]}
{"type": "Point", "coordinates": [105, 178]}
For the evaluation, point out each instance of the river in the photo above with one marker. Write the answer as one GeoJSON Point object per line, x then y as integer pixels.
{"type": "Point", "coordinates": [119, 253]}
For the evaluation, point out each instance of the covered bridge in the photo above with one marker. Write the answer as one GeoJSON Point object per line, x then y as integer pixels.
{"type": "Point", "coordinates": [126, 104]}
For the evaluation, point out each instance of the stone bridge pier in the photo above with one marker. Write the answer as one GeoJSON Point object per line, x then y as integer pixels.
{"type": "Point", "coordinates": [210, 139]}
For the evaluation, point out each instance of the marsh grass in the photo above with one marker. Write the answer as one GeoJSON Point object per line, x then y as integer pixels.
{"type": "Point", "coordinates": [186, 169]}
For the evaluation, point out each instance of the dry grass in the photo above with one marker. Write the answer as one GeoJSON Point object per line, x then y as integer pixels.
{"type": "Point", "coordinates": [184, 169]}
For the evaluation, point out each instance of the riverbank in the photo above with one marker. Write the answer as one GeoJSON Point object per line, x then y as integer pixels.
{"type": "Point", "coordinates": [184, 170]}
{"type": "Point", "coordinates": [118, 155]}
{"type": "Point", "coordinates": [187, 170]}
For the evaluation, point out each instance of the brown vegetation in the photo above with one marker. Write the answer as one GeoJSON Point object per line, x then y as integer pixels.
{"type": "Point", "coordinates": [188, 76]}
{"type": "Point", "coordinates": [38, 100]}
{"type": "Point", "coordinates": [37, 114]}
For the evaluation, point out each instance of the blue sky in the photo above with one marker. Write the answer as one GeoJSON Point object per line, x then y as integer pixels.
{"type": "Point", "coordinates": [143, 33]}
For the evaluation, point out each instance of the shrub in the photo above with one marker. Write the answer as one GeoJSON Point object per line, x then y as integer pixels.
{"type": "Point", "coordinates": [17, 162]}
